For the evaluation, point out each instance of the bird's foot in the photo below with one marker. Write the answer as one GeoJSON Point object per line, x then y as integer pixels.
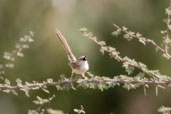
{"type": "Point", "coordinates": [85, 77]}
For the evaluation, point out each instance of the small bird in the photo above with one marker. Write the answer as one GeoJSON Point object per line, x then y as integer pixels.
{"type": "Point", "coordinates": [78, 66]}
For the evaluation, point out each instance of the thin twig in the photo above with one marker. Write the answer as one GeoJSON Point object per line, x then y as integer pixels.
{"type": "Point", "coordinates": [147, 40]}
{"type": "Point", "coordinates": [41, 105]}
{"type": "Point", "coordinates": [18, 51]}
{"type": "Point", "coordinates": [167, 34]}
{"type": "Point", "coordinates": [163, 49]}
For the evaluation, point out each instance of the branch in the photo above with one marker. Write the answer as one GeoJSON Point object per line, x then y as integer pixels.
{"type": "Point", "coordinates": [164, 110]}
{"type": "Point", "coordinates": [45, 101]}
{"type": "Point", "coordinates": [80, 111]}
{"type": "Point", "coordinates": [129, 35]}
{"type": "Point", "coordinates": [17, 52]}
{"type": "Point", "coordinates": [128, 64]}
{"type": "Point", "coordinates": [138, 37]}
{"type": "Point", "coordinates": [166, 40]}
{"type": "Point", "coordinates": [41, 102]}
{"type": "Point", "coordinates": [95, 82]}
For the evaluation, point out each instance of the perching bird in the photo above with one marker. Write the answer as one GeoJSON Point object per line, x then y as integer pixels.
{"type": "Point", "coordinates": [78, 66]}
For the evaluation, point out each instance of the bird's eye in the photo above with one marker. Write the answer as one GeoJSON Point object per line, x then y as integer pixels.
{"type": "Point", "coordinates": [84, 58]}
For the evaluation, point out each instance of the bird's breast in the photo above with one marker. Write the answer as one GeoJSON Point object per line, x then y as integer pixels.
{"type": "Point", "coordinates": [81, 67]}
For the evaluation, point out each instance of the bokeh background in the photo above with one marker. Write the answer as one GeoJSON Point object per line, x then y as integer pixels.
{"type": "Point", "coordinates": [47, 59]}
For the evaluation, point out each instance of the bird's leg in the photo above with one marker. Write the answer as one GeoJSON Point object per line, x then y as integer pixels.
{"type": "Point", "coordinates": [84, 76]}
{"type": "Point", "coordinates": [72, 74]}
{"type": "Point", "coordinates": [72, 86]}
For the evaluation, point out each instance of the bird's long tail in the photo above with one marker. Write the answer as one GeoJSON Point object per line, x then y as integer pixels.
{"type": "Point", "coordinates": [71, 56]}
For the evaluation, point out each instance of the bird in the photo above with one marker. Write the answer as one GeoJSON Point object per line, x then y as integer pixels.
{"type": "Point", "coordinates": [79, 66]}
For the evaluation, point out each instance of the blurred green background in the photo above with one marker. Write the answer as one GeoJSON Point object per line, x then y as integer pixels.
{"type": "Point", "coordinates": [47, 59]}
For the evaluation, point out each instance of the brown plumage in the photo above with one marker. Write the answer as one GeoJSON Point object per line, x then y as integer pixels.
{"type": "Point", "coordinates": [79, 66]}
{"type": "Point", "coordinates": [72, 58]}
